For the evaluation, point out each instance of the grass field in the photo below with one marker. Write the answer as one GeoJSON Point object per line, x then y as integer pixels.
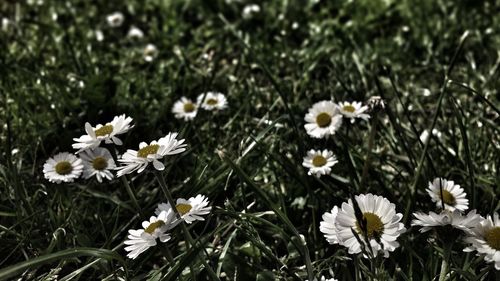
{"type": "Point", "coordinates": [426, 74]}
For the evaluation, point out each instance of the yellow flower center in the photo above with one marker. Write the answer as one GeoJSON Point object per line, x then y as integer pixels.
{"type": "Point", "coordinates": [319, 161]}
{"type": "Point", "coordinates": [323, 119]}
{"type": "Point", "coordinates": [374, 225]}
{"type": "Point", "coordinates": [448, 198]}
{"type": "Point", "coordinates": [212, 101]}
{"type": "Point", "coordinates": [183, 208]}
{"type": "Point", "coordinates": [493, 238]}
{"type": "Point", "coordinates": [153, 226]}
{"type": "Point", "coordinates": [104, 130]}
{"type": "Point", "coordinates": [349, 108]}
{"type": "Point", "coordinates": [150, 149]}
{"type": "Point", "coordinates": [64, 168]}
{"type": "Point", "coordinates": [100, 163]}
{"type": "Point", "coordinates": [189, 107]}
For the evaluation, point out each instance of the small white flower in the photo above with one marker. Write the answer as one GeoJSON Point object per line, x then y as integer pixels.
{"type": "Point", "coordinates": [190, 210]}
{"type": "Point", "coordinates": [115, 19]}
{"type": "Point", "coordinates": [63, 167]}
{"type": "Point", "coordinates": [353, 110]}
{"type": "Point", "coordinates": [382, 225]}
{"type": "Point", "coordinates": [99, 36]}
{"type": "Point", "coordinates": [150, 52]}
{"type": "Point", "coordinates": [250, 10]}
{"type": "Point", "coordinates": [323, 120]}
{"type": "Point", "coordinates": [327, 226]}
{"type": "Point", "coordinates": [139, 240]}
{"type": "Point", "coordinates": [453, 195]}
{"type": "Point", "coordinates": [138, 160]}
{"type": "Point", "coordinates": [119, 125]}
{"type": "Point", "coordinates": [212, 101]}
{"type": "Point", "coordinates": [98, 162]}
{"type": "Point", "coordinates": [485, 239]}
{"type": "Point", "coordinates": [424, 137]}
{"type": "Point", "coordinates": [135, 33]}
{"type": "Point", "coordinates": [185, 109]}
{"type": "Point", "coordinates": [446, 218]}
{"type": "Point", "coordinates": [319, 162]}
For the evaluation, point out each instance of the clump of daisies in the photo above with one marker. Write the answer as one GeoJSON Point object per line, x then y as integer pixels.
{"type": "Point", "coordinates": [325, 117]}
{"type": "Point", "coordinates": [159, 227]}
{"type": "Point", "coordinates": [372, 231]}
{"type": "Point", "coordinates": [319, 162]}
{"type": "Point", "coordinates": [93, 160]}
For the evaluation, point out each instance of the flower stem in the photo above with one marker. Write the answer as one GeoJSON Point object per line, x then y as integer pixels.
{"type": "Point", "coordinates": [446, 257]}
{"type": "Point", "coordinates": [132, 195]}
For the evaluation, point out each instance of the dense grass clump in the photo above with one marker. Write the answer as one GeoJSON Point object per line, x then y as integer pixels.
{"type": "Point", "coordinates": [426, 73]}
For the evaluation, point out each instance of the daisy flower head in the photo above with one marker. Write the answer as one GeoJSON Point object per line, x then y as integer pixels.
{"type": "Point", "coordinates": [485, 239]}
{"type": "Point", "coordinates": [138, 160]}
{"type": "Point", "coordinates": [319, 162]}
{"type": "Point", "coordinates": [323, 119]}
{"type": "Point", "coordinates": [190, 210]}
{"type": "Point", "coordinates": [97, 162]}
{"type": "Point", "coordinates": [185, 109]}
{"type": "Point", "coordinates": [119, 125]}
{"type": "Point", "coordinates": [150, 52]}
{"type": "Point", "coordinates": [139, 240]}
{"type": "Point", "coordinates": [135, 33]}
{"type": "Point", "coordinates": [382, 227]}
{"type": "Point", "coordinates": [353, 110]}
{"type": "Point", "coordinates": [115, 19]}
{"type": "Point", "coordinates": [327, 226]}
{"type": "Point", "coordinates": [453, 195]}
{"type": "Point", "coordinates": [446, 218]}
{"type": "Point", "coordinates": [63, 167]}
{"type": "Point", "coordinates": [212, 101]}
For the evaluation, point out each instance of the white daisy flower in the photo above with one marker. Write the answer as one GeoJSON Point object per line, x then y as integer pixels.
{"type": "Point", "coordinates": [150, 52]}
{"type": "Point", "coordinates": [190, 210]}
{"type": "Point", "coordinates": [250, 10]}
{"type": "Point", "coordinates": [138, 160]}
{"type": "Point", "coordinates": [485, 239]}
{"type": "Point", "coordinates": [323, 119]}
{"type": "Point", "coordinates": [453, 195]}
{"type": "Point", "coordinates": [139, 240]}
{"type": "Point", "coordinates": [135, 33]}
{"type": "Point", "coordinates": [424, 137]}
{"type": "Point", "coordinates": [327, 226]}
{"type": "Point", "coordinates": [115, 19]}
{"type": "Point", "coordinates": [446, 218]}
{"type": "Point", "coordinates": [212, 101]}
{"type": "Point", "coordinates": [319, 162]}
{"type": "Point", "coordinates": [97, 162]}
{"type": "Point", "coordinates": [119, 125]}
{"type": "Point", "coordinates": [63, 167]}
{"type": "Point", "coordinates": [353, 110]}
{"type": "Point", "coordinates": [382, 224]}
{"type": "Point", "coordinates": [185, 109]}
